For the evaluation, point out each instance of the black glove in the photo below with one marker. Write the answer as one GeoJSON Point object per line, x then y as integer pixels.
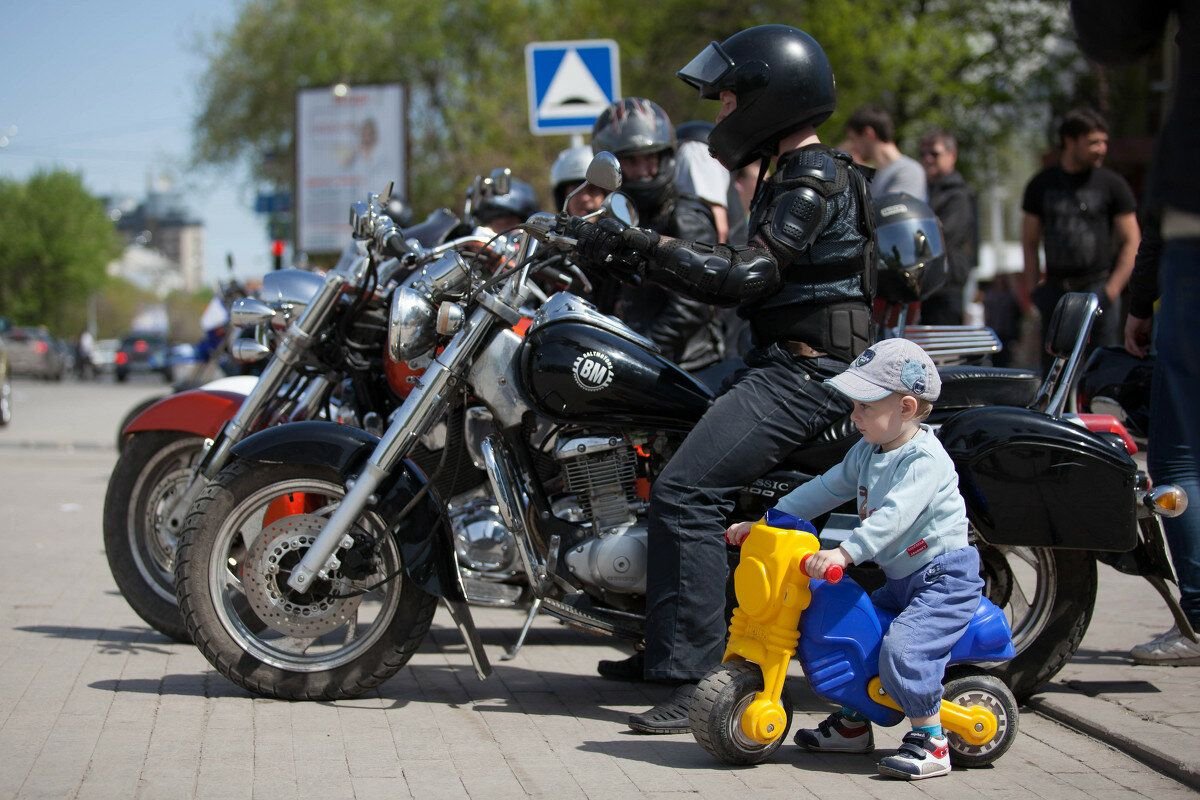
{"type": "Point", "coordinates": [603, 247]}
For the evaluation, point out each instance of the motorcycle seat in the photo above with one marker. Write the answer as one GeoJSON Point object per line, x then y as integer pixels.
{"type": "Point", "coordinates": [970, 386]}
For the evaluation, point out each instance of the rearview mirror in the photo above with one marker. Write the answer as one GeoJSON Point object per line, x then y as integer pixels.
{"type": "Point", "coordinates": [604, 171]}
{"type": "Point", "coordinates": [621, 208]}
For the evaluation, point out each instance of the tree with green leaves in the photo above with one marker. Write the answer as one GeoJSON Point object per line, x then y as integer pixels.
{"type": "Point", "coordinates": [983, 68]}
{"type": "Point", "coordinates": [55, 243]}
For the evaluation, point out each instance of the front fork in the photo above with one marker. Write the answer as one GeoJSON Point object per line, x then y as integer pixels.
{"type": "Point", "coordinates": [773, 592]}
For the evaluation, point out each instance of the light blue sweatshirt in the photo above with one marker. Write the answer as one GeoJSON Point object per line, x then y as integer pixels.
{"type": "Point", "coordinates": [908, 502]}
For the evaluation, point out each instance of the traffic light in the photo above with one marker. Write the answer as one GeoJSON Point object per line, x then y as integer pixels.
{"type": "Point", "coordinates": [277, 247]}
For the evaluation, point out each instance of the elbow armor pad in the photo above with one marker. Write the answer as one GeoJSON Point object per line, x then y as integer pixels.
{"type": "Point", "coordinates": [720, 274]}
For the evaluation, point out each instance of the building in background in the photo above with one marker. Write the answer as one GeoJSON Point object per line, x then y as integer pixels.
{"type": "Point", "coordinates": [164, 241]}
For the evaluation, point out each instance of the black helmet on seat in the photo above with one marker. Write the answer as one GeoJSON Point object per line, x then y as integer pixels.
{"type": "Point", "coordinates": [910, 247]}
{"type": "Point", "coordinates": [782, 80]}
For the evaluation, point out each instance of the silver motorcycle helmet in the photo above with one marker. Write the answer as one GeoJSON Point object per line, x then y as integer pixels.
{"type": "Point", "coordinates": [568, 171]}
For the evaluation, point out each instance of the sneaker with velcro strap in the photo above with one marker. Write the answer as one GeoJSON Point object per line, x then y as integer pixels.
{"type": "Point", "coordinates": [837, 734]}
{"type": "Point", "coordinates": [920, 756]}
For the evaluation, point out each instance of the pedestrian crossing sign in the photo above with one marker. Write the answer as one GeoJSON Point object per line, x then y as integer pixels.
{"type": "Point", "coordinates": [570, 83]}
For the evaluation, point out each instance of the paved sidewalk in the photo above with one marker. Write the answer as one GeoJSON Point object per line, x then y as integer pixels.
{"type": "Point", "coordinates": [1153, 713]}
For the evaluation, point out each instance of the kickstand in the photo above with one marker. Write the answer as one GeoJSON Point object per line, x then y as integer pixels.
{"type": "Point", "coordinates": [511, 652]}
{"type": "Point", "coordinates": [1185, 627]}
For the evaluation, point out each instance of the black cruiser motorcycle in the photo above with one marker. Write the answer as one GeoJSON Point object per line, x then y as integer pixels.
{"type": "Point", "coordinates": [332, 599]}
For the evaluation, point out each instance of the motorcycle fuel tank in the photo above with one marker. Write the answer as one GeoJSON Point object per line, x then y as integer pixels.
{"type": "Point", "coordinates": [578, 365]}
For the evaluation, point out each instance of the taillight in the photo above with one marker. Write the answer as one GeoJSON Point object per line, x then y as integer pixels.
{"type": "Point", "coordinates": [140, 346]}
{"type": "Point", "coordinates": [40, 348]}
{"type": "Point", "coordinates": [121, 358]}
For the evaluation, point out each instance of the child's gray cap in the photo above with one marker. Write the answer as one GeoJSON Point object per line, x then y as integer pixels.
{"type": "Point", "coordinates": [891, 365]}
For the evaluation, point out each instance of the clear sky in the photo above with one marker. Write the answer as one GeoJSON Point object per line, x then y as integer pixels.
{"type": "Point", "coordinates": [109, 89]}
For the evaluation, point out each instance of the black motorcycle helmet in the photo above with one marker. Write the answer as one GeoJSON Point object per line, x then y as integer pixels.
{"type": "Point", "coordinates": [636, 126]}
{"type": "Point", "coordinates": [520, 201]}
{"type": "Point", "coordinates": [1117, 383]}
{"type": "Point", "coordinates": [782, 80]}
{"type": "Point", "coordinates": [694, 130]}
{"type": "Point", "coordinates": [910, 248]}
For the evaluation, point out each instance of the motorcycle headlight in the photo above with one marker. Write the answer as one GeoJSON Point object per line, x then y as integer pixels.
{"type": "Point", "coordinates": [289, 291]}
{"type": "Point", "coordinates": [411, 324]}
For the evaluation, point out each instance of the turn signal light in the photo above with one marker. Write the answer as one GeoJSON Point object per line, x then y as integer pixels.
{"type": "Point", "coordinates": [1168, 500]}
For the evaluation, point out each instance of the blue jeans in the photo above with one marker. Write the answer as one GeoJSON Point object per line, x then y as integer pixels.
{"type": "Point", "coordinates": [934, 606]}
{"type": "Point", "coordinates": [1174, 455]}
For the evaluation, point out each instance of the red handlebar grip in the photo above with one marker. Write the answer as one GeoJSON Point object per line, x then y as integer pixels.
{"type": "Point", "coordinates": [833, 573]}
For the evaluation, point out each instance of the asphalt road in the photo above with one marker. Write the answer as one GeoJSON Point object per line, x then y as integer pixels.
{"type": "Point", "coordinates": [95, 704]}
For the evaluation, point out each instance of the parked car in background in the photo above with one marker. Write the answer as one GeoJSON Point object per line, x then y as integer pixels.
{"type": "Point", "coordinates": [104, 355]}
{"type": "Point", "coordinates": [33, 351]}
{"type": "Point", "coordinates": [5, 386]}
{"type": "Point", "coordinates": [143, 352]}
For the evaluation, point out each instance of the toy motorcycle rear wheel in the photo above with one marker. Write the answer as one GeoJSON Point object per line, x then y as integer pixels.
{"type": "Point", "coordinates": [981, 689]}
{"type": "Point", "coordinates": [716, 714]}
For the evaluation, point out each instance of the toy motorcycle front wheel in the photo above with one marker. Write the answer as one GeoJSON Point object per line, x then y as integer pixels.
{"type": "Point", "coordinates": [719, 701]}
{"type": "Point", "coordinates": [988, 691]}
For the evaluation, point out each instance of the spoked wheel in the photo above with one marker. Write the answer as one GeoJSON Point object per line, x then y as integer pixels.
{"type": "Point", "coordinates": [1047, 596]}
{"type": "Point", "coordinates": [719, 701]}
{"type": "Point", "coordinates": [153, 471]}
{"type": "Point", "coordinates": [352, 629]}
{"type": "Point", "coordinates": [988, 692]}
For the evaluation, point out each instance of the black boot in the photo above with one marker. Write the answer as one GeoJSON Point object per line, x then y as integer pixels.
{"type": "Point", "coordinates": [627, 669]}
{"type": "Point", "coordinates": [669, 716]}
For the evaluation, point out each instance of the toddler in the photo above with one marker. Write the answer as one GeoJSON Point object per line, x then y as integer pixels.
{"type": "Point", "coordinates": [914, 526]}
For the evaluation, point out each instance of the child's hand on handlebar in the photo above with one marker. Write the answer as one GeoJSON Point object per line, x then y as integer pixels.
{"type": "Point", "coordinates": [816, 564]}
{"type": "Point", "coordinates": [736, 533]}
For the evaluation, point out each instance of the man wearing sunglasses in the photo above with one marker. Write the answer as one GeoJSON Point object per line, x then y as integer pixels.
{"type": "Point", "coordinates": [804, 281]}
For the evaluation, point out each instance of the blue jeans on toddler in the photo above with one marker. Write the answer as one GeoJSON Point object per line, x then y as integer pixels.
{"type": "Point", "coordinates": [933, 606]}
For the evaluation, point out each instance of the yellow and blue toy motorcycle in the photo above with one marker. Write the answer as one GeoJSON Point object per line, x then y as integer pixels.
{"type": "Point", "coordinates": [741, 712]}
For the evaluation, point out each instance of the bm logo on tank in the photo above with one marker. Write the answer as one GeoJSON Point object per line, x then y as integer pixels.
{"type": "Point", "coordinates": [593, 371]}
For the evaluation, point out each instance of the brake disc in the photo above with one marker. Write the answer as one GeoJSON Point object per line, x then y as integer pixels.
{"type": "Point", "coordinates": [267, 567]}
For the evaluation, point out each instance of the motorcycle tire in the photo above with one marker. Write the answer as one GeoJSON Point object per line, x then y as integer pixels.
{"type": "Point", "coordinates": [261, 654]}
{"type": "Point", "coordinates": [980, 689]}
{"type": "Point", "coordinates": [1048, 596]}
{"type": "Point", "coordinates": [718, 703]}
{"type": "Point", "coordinates": [153, 468]}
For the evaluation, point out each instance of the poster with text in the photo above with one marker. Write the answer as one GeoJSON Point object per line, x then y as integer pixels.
{"type": "Point", "coordinates": [350, 142]}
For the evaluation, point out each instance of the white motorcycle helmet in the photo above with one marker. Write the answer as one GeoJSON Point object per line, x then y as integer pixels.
{"type": "Point", "coordinates": [568, 171]}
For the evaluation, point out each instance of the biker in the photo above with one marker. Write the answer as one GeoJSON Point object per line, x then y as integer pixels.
{"type": "Point", "coordinates": [805, 283]}
{"type": "Point", "coordinates": [503, 211]}
{"type": "Point", "coordinates": [567, 174]}
{"type": "Point", "coordinates": [639, 133]}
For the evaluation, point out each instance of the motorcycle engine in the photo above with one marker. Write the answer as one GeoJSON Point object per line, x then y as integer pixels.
{"type": "Point", "coordinates": [600, 479]}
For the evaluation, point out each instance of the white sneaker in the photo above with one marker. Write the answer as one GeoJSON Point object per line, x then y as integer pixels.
{"type": "Point", "coordinates": [837, 735]}
{"type": "Point", "coordinates": [920, 756]}
{"type": "Point", "coordinates": [1172, 649]}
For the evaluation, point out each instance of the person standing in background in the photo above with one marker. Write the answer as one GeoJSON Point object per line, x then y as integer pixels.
{"type": "Point", "coordinates": [954, 203]}
{"type": "Point", "coordinates": [1112, 31]}
{"type": "Point", "coordinates": [871, 134]}
{"type": "Point", "coordinates": [1084, 216]}
{"type": "Point", "coordinates": [698, 174]}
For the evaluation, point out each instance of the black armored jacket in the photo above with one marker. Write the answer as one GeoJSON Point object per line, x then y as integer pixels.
{"type": "Point", "coordinates": [808, 272]}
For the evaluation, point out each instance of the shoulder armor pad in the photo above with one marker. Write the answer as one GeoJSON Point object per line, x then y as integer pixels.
{"type": "Point", "coordinates": [811, 164]}
{"type": "Point", "coordinates": [796, 218]}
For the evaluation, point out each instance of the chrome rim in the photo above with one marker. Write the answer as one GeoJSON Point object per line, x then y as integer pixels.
{"type": "Point", "coordinates": [313, 632]}
{"type": "Point", "coordinates": [1023, 582]}
{"type": "Point", "coordinates": [151, 540]}
{"type": "Point", "coordinates": [733, 728]}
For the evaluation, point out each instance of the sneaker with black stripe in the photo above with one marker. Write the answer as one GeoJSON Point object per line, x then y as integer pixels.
{"type": "Point", "coordinates": [837, 734]}
{"type": "Point", "coordinates": [920, 756]}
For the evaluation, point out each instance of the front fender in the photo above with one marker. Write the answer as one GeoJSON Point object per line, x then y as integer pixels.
{"type": "Point", "coordinates": [198, 411]}
{"type": "Point", "coordinates": [424, 537]}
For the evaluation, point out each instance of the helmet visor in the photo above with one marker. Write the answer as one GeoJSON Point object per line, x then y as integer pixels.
{"type": "Point", "coordinates": [904, 244]}
{"type": "Point", "coordinates": [706, 70]}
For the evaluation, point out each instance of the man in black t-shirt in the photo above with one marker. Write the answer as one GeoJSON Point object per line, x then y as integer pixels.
{"type": "Point", "coordinates": [1083, 214]}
